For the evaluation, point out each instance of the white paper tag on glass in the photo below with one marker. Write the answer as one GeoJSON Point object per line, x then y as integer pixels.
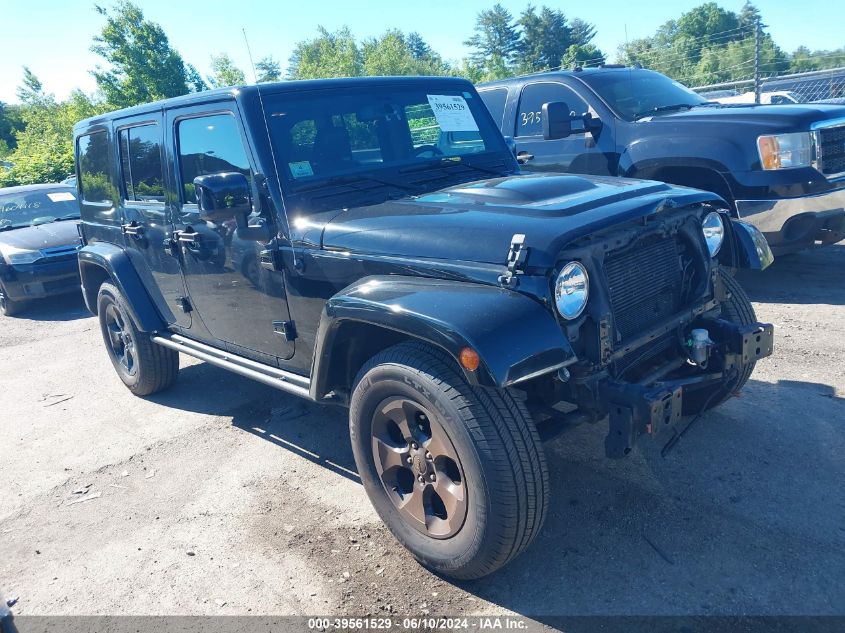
{"type": "Point", "coordinates": [301, 169]}
{"type": "Point", "coordinates": [61, 196]}
{"type": "Point", "coordinates": [452, 113]}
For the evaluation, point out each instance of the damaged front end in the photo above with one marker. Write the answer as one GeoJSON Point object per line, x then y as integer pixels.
{"type": "Point", "coordinates": [660, 336]}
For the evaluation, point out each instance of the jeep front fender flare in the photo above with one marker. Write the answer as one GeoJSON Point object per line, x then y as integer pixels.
{"type": "Point", "coordinates": [99, 258]}
{"type": "Point", "coordinates": [515, 336]}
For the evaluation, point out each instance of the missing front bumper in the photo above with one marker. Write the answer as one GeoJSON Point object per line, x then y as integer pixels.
{"type": "Point", "coordinates": [635, 409]}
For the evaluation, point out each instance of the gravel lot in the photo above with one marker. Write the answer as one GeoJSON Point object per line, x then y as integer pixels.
{"type": "Point", "coordinates": [223, 496]}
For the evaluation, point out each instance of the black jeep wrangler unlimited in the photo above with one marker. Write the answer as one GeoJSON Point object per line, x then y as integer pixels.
{"type": "Point", "coordinates": [371, 243]}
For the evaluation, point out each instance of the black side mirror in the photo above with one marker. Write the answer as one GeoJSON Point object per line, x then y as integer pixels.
{"type": "Point", "coordinates": [557, 123]}
{"type": "Point", "coordinates": [223, 196]}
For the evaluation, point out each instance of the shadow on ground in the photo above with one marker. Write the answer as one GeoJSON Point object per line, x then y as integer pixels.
{"type": "Point", "coordinates": [811, 276]}
{"type": "Point", "coordinates": [724, 524]}
{"type": "Point", "coordinates": [69, 307]}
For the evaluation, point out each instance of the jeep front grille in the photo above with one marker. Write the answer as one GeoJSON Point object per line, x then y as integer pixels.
{"type": "Point", "coordinates": [644, 283]}
{"type": "Point", "coordinates": [831, 150]}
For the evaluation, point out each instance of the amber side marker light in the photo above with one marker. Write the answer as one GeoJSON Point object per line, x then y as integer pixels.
{"type": "Point", "coordinates": [469, 359]}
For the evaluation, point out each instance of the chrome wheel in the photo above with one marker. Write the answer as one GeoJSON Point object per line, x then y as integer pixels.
{"type": "Point", "coordinates": [419, 467]}
{"type": "Point", "coordinates": [121, 343]}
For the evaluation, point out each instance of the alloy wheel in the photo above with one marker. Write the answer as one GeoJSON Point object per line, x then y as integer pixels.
{"type": "Point", "coordinates": [121, 343]}
{"type": "Point", "coordinates": [419, 467]}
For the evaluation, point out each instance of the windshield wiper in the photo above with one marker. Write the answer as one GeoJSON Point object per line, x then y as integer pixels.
{"type": "Point", "coordinates": [70, 216]}
{"type": "Point", "coordinates": [666, 108]}
{"type": "Point", "coordinates": [352, 179]}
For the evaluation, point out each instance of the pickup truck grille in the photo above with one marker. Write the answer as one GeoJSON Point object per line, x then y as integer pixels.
{"type": "Point", "coordinates": [644, 283]}
{"type": "Point", "coordinates": [831, 152]}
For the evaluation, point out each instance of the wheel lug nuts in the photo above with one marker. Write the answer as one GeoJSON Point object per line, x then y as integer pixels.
{"type": "Point", "coordinates": [409, 460]}
{"type": "Point", "coordinates": [421, 479]}
{"type": "Point", "coordinates": [414, 445]}
{"type": "Point", "coordinates": [431, 476]}
{"type": "Point", "coordinates": [427, 455]}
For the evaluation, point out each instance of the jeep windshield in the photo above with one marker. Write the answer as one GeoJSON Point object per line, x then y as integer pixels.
{"type": "Point", "coordinates": [341, 149]}
{"type": "Point", "coordinates": [634, 93]}
{"type": "Point", "coordinates": [29, 208]}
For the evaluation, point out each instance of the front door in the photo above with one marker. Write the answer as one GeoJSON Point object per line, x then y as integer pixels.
{"type": "Point", "coordinates": [146, 217]}
{"type": "Point", "coordinates": [581, 153]}
{"type": "Point", "coordinates": [239, 302]}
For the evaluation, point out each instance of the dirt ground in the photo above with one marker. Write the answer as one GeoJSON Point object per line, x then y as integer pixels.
{"type": "Point", "coordinates": [223, 496]}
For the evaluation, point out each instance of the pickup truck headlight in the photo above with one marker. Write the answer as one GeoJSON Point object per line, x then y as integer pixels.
{"type": "Point", "coordinates": [713, 228]}
{"type": "Point", "coordinates": [572, 289]}
{"type": "Point", "coordinates": [783, 151]}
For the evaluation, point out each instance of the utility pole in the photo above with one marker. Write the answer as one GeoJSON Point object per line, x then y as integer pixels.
{"type": "Point", "coordinates": [757, 83]}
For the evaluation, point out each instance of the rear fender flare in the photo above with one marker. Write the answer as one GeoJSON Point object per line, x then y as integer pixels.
{"type": "Point", "coordinates": [100, 258]}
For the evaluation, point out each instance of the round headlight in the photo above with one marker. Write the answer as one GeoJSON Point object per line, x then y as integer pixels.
{"type": "Point", "coordinates": [713, 228]}
{"type": "Point", "coordinates": [571, 290]}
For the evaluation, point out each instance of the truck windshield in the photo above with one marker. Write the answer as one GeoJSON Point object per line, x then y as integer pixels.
{"type": "Point", "coordinates": [28, 208]}
{"type": "Point", "coordinates": [635, 93]}
{"type": "Point", "coordinates": [340, 148]}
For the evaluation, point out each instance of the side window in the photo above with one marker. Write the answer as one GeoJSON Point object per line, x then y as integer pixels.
{"type": "Point", "coordinates": [93, 156]}
{"type": "Point", "coordinates": [529, 121]}
{"type": "Point", "coordinates": [209, 145]}
{"type": "Point", "coordinates": [140, 164]}
{"type": "Point", "coordinates": [495, 101]}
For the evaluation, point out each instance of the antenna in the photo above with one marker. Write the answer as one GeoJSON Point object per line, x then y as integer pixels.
{"type": "Point", "coordinates": [249, 52]}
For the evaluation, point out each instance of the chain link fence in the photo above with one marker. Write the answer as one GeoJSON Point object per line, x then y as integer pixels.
{"type": "Point", "coordinates": [807, 87]}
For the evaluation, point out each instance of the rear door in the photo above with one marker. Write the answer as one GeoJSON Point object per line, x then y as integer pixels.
{"type": "Point", "coordinates": [147, 221]}
{"type": "Point", "coordinates": [582, 152]}
{"type": "Point", "coordinates": [239, 302]}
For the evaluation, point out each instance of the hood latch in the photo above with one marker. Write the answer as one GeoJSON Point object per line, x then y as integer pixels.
{"type": "Point", "coordinates": [517, 256]}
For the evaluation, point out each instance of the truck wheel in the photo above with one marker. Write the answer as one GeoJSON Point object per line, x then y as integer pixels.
{"type": "Point", "coordinates": [7, 306]}
{"type": "Point", "coordinates": [456, 471]}
{"type": "Point", "coordinates": [737, 309]}
{"type": "Point", "coordinates": [144, 367]}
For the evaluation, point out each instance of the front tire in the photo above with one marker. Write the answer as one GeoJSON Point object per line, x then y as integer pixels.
{"type": "Point", "coordinates": [7, 306]}
{"type": "Point", "coordinates": [144, 367]}
{"type": "Point", "coordinates": [737, 309]}
{"type": "Point", "coordinates": [456, 472]}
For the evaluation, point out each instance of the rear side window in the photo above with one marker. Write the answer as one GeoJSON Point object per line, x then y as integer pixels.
{"type": "Point", "coordinates": [529, 121]}
{"type": "Point", "coordinates": [140, 164]}
{"type": "Point", "coordinates": [93, 157]}
{"type": "Point", "coordinates": [495, 101]}
{"type": "Point", "coordinates": [209, 145]}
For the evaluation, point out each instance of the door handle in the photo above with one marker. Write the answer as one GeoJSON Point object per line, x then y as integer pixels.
{"type": "Point", "coordinates": [524, 157]}
{"type": "Point", "coordinates": [133, 228]}
{"type": "Point", "coordinates": [191, 238]}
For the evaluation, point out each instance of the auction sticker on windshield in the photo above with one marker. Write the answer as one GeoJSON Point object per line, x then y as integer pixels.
{"type": "Point", "coordinates": [61, 196]}
{"type": "Point", "coordinates": [452, 113]}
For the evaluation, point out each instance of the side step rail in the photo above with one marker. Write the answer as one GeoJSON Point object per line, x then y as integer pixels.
{"type": "Point", "coordinates": [273, 376]}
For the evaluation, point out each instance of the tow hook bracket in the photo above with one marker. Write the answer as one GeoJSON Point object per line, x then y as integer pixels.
{"type": "Point", "coordinates": [635, 410]}
{"type": "Point", "coordinates": [751, 342]}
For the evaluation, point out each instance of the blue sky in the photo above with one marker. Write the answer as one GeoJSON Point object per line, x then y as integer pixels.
{"type": "Point", "coordinates": [53, 37]}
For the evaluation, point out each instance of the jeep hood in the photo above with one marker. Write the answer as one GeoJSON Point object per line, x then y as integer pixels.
{"type": "Point", "coordinates": [475, 221]}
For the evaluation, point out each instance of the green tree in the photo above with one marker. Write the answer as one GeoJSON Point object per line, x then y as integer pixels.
{"type": "Point", "coordinates": [546, 37]}
{"type": "Point", "coordinates": [392, 54]}
{"type": "Point", "coordinates": [327, 55]}
{"type": "Point", "coordinates": [224, 73]}
{"type": "Point", "coordinates": [44, 150]}
{"type": "Point", "coordinates": [31, 91]}
{"type": "Point", "coordinates": [582, 55]}
{"type": "Point", "coordinates": [581, 32]}
{"type": "Point", "coordinates": [495, 39]}
{"type": "Point", "coordinates": [268, 69]}
{"type": "Point", "coordinates": [142, 66]}
{"type": "Point", "coordinates": [11, 122]}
